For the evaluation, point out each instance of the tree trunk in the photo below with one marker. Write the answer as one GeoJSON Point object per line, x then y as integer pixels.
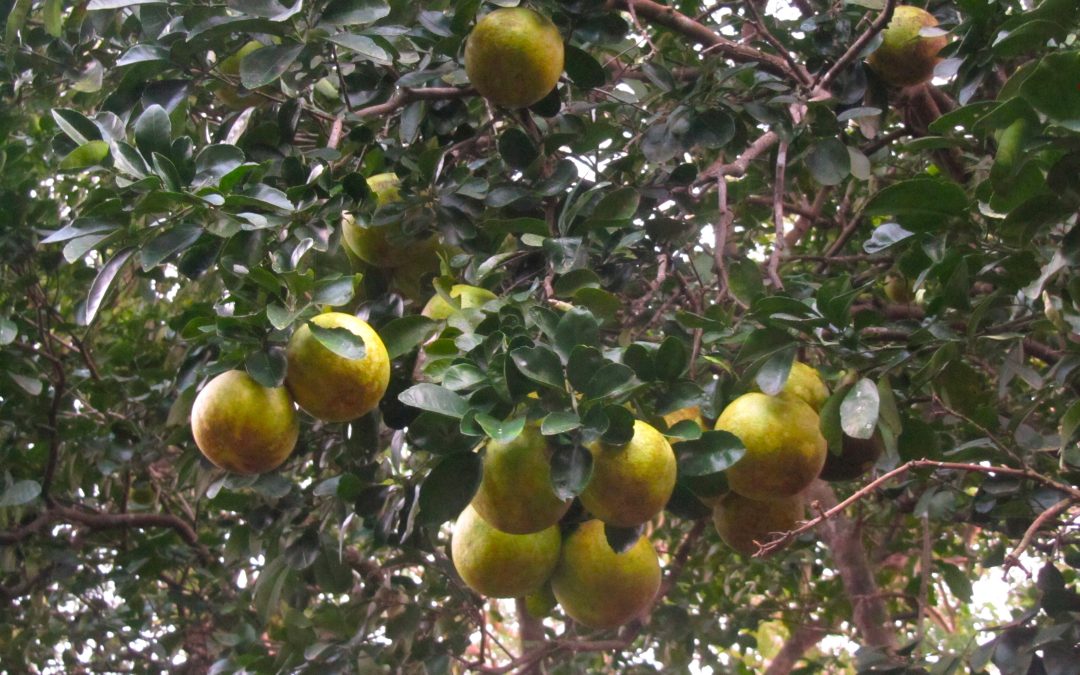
{"type": "Point", "coordinates": [844, 541]}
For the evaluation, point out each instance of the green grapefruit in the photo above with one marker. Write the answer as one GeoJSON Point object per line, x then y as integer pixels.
{"type": "Point", "coordinates": [630, 483]}
{"type": "Point", "coordinates": [514, 57]}
{"type": "Point", "coordinates": [502, 565]}
{"type": "Point", "coordinates": [741, 521]}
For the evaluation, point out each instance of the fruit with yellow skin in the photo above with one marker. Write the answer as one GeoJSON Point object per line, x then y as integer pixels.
{"type": "Point", "coordinates": [541, 603]}
{"type": "Point", "coordinates": [515, 494]}
{"type": "Point", "coordinates": [689, 413]}
{"type": "Point", "coordinates": [514, 57]}
{"type": "Point", "coordinates": [740, 521]}
{"type": "Point", "coordinates": [471, 297]}
{"type": "Point", "coordinates": [243, 426]}
{"type": "Point", "coordinates": [601, 588]}
{"type": "Point", "coordinates": [905, 57]}
{"type": "Point", "coordinates": [805, 382]}
{"type": "Point", "coordinates": [785, 449]}
{"type": "Point", "coordinates": [630, 483]}
{"type": "Point", "coordinates": [330, 387]}
{"type": "Point", "coordinates": [383, 246]}
{"type": "Point", "coordinates": [502, 565]}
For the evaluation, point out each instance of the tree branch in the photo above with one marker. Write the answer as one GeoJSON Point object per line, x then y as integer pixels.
{"type": "Point", "coordinates": [668, 17]}
{"type": "Point", "coordinates": [406, 95]}
{"type": "Point", "coordinates": [801, 639]}
{"type": "Point", "coordinates": [1013, 558]}
{"type": "Point", "coordinates": [856, 47]}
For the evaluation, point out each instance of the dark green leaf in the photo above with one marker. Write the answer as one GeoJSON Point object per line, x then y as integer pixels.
{"type": "Point", "coordinates": [829, 161]}
{"type": "Point", "coordinates": [621, 539]}
{"type": "Point", "coordinates": [364, 46]}
{"type": "Point", "coordinates": [403, 334]}
{"type": "Point", "coordinates": [584, 71]}
{"type": "Point", "coordinates": [620, 430]}
{"type": "Point", "coordinates": [672, 358]}
{"type": "Point", "coordinates": [539, 364]}
{"type": "Point", "coordinates": [354, 12]}
{"type": "Point", "coordinates": [450, 487]}
{"type": "Point", "coordinates": [19, 493]}
{"type": "Point", "coordinates": [517, 148]}
{"type": "Point", "coordinates": [153, 132]}
{"type": "Point", "coordinates": [559, 422]}
{"type": "Point", "coordinates": [612, 379]}
{"type": "Point", "coordinates": [267, 367]}
{"type": "Point", "coordinates": [266, 64]}
{"type": "Point", "coordinates": [168, 244]}
{"type": "Point", "coordinates": [714, 452]}
{"type": "Point", "coordinates": [571, 468]}
{"type": "Point", "coordinates": [921, 202]}
{"type": "Point", "coordinates": [77, 126]}
{"type": "Point", "coordinates": [101, 284]}
{"type": "Point", "coordinates": [502, 431]}
{"type": "Point", "coordinates": [773, 374]}
{"type": "Point", "coordinates": [1052, 88]}
{"type": "Point", "coordinates": [577, 327]}
{"type": "Point", "coordinates": [91, 154]}
{"type": "Point", "coordinates": [341, 341]}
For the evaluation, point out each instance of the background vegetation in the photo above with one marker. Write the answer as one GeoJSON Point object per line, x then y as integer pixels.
{"type": "Point", "coordinates": [713, 189]}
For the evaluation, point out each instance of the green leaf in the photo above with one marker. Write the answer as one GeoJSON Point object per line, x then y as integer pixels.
{"type": "Point", "coordinates": [16, 19]}
{"type": "Point", "coordinates": [168, 244]}
{"type": "Point", "coordinates": [90, 154]}
{"type": "Point", "coordinates": [577, 327]}
{"type": "Point", "coordinates": [77, 126]}
{"type": "Point", "coordinates": [921, 202]}
{"type": "Point", "coordinates": [672, 358]}
{"type": "Point", "coordinates": [268, 588]}
{"type": "Point", "coordinates": [1070, 422]}
{"type": "Point", "coordinates": [403, 334]}
{"type": "Point", "coordinates": [463, 376]}
{"type": "Point", "coordinates": [829, 161]}
{"type": "Point", "coordinates": [773, 374]}
{"type": "Point", "coordinates": [830, 420]}
{"type": "Point", "coordinates": [539, 364]}
{"type": "Point", "coordinates": [153, 131]}
{"type": "Point", "coordinates": [617, 206]}
{"type": "Point", "coordinates": [714, 452]}
{"type": "Point", "coordinates": [622, 539]}
{"type": "Point", "coordinates": [20, 492]}
{"type": "Point", "coordinates": [584, 71]}
{"type": "Point", "coordinates": [859, 410]}
{"type": "Point", "coordinates": [1052, 88]}
{"type": "Point", "coordinates": [885, 236]}
{"type": "Point", "coordinates": [450, 487]}
{"type": "Point", "coordinates": [517, 148]}
{"type": "Point", "coordinates": [354, 12]}
{"type": "Point", "coordinates": [364, 46]}
{"type": "Point", "coordinates": [559, 422]}
{"type": "Point", "coordinates": [438, 434]}
{"type": "Point", "coordinates": [502, 431]}
{"type": "Point", "coordinates": [434, 398]}
{"type": "Point", "coordinates": [335, 291]}
{"type": "Point", "coordinates": [613, 379]}
{"type": "Point", "coordinates": [52, 15]}
{"type": "Point", "coordinates": [31, 385]}
{"type": "Point", "coordinates": [102, 282]}
{"type": "Point", "coordinates": [711, 129]}
{"type": "Point", "coordinates": [266, 64]}
{"type": "Point", "coordinates": [8, 332]}
{"type": "Point", "coordinates": [620, 430]}
{"type": "Point", "coordinates": [341, 341]}
{"type": "Point", "coordinates": [267, 367]}
{"type": "Point", "coordinates": [571, 469]}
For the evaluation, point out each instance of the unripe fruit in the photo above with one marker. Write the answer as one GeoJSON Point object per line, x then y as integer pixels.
{"type": "Point", "coordinates": [514, 57]}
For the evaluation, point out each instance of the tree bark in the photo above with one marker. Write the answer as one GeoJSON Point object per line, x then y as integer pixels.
{"type": "Point", "coordinates": [844, 541]}
{"type": "Point", "coordinates": [803, 638]}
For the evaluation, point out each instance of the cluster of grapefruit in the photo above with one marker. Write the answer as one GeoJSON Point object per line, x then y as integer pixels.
{"type": "Point", "coordinates": [245, 427]}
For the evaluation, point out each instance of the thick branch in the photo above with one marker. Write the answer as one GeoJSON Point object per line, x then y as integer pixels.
{"type": "Point", "coordinates": [737, 168]}
{"type": "Point", "coordinates": [844, 541]}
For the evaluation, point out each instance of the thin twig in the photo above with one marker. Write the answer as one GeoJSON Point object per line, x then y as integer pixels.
{"type": "Point", "coordinates": [778, 217]}
{"type": "Point", "coordinates": [1013, 558]}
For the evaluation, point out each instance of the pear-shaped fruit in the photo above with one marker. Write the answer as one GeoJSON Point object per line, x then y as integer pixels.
{"type": "Point", "coordinates": [784, 446]}
{"type": "Point", "coordinates": [243, 426]}
{"type": "Point", "coordinates": [905, 57]}
{"type": "Point", "coordinates": [502, 565]}
{"type": "Point", "coordinates": [741, 521]}
{"type": "Point", "coordinates": [515, 494]}
{"type": "Point", "coordinates": [857, 456]}
{"type": "Point", "coordinates": [470, 296]}
{"type": "Point", "coordinates": [514, 57]}
{"type": "Point", "coordinates": [330, 387]}
{"type": "Point", "coordinates": [630, 483]}
{"type": "Point", "coordinates": [601, 588]}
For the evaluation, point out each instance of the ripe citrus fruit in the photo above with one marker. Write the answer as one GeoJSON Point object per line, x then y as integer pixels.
{"type": "Point", "coordinates": [470, 296]}
{"type": "Point", "coordinates": [630, 483]}
{"type": "Point", "coordinates": [741, 521]}
{"type": "Point", "coordinates": [502, 565]}
{"type": "Point", "coordinates": [857, 456]}
{"type": "Point", "coordinates": [515, 494]}
{"type": "Point", "coordinates": [331, 387]}
{"type": "Point", "coordinates": [905, 57]}
{"type": "Point", "coordinates": [784, 446]}
{"type": "Point", "coordinates": [805, 382]}
{"type": "Point", "coordinates": [514, 57]}
{"type": "Point", "coordinates": [599, 587]}
{"type": "Point", "coordinates": [243, 426]}
{"type": "Point", "coordinates": [383, 246]}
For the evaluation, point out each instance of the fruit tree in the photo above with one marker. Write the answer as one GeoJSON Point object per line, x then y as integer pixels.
{"type": "Point", "coordinates": [586, 336]}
